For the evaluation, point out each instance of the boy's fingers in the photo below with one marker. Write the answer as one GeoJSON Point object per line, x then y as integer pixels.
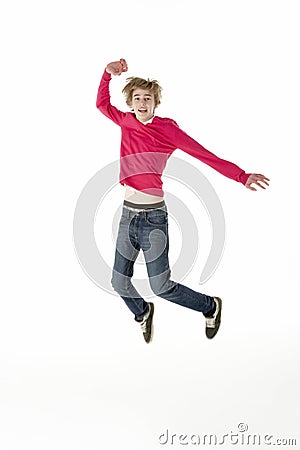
{"type": "Point", "coordinates": [124, 64]}
{"type": "Point", "coordinates": [263, 178]}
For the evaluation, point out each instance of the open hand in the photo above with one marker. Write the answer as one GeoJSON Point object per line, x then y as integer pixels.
{"type": "Point", "coordinates": [117, 67]}
{"type": "Point", "coordinates": [258, 179]}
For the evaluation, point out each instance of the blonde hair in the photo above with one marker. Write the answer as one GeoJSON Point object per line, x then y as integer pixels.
{"type": "Point", "coordinates": [135, 82]}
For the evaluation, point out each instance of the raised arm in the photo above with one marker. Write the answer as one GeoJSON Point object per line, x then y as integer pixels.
{"type": "Point", "coordinates": [103, 96]}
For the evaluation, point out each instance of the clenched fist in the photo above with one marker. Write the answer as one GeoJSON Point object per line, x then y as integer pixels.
{"type": "Point", "coordinates": [117, 67]}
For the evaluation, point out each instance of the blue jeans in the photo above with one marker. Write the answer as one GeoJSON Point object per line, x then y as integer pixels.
{"type": "Point", "coordinates": [148, 230]}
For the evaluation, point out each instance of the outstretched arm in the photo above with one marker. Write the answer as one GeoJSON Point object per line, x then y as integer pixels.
{"type": "Point", "coordinates": [189, 145]}
{"type": "Point", "coordinates": [258, 179]}
{"type": "Point", "coordinates": [183, 141]}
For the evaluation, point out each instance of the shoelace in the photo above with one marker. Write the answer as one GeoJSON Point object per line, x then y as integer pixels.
{"type": "Point", "coordinates": [144, 325]}
{"type": "Point", "coordinates": [211, 321]}
{"type": "Point", "coordinates": [144, 322]}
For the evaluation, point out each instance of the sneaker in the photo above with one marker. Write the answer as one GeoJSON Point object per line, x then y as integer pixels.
{"type": "Point", "coordinates": [147, 324]}
{"type": "Point", "coordinates": [213, 323]}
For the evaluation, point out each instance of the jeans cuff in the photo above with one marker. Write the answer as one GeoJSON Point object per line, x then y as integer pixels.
{"type": "Point", "coordinates": [141, 317]}
{"type": "Point", "coordinates": [211, 312]}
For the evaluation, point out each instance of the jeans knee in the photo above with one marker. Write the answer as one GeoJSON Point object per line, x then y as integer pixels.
{"type": "Point", "coordinates": [115, 282]}
{"type": "Point", "coordinates": [120, 283]}
{"type": "Point", "coordinates": [161, 286]}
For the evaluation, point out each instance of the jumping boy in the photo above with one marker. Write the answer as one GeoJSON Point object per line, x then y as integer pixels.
{"type": "Point", "coordinates": [147, 143]}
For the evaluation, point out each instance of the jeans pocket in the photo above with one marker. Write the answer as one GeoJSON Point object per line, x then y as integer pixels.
{"type": "Point", "coordinates": [160, 218]}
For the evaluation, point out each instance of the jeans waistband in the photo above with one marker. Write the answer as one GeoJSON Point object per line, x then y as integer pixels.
{"type": "Point", "coordinates": [143, 207]}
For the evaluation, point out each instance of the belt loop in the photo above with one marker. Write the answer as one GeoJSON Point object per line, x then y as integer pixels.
{"type": "Point", "coordinates": [125, 212]}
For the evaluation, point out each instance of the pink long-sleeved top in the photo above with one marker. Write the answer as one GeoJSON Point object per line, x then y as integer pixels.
{"type": "Point", "coordinates": [145, 148]}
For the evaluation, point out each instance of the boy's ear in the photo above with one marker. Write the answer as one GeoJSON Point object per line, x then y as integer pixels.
{"type": "Point", "coordinates": [130, 106]}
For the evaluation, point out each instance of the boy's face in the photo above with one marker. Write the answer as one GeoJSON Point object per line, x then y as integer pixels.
{"type": "Point", "coordinates": [143, 104]}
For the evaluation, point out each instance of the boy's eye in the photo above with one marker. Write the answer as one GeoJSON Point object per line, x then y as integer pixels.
{"type": "Point", "coordinates": [147, 99]}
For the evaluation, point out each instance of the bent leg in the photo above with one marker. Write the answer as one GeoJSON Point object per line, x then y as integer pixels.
{"type": "Point", "coordinates": [127, 250]}
{"type": "Point", "coordinates": [156, 249]}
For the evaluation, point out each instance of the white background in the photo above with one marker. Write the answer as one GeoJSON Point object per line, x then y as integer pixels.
{"type": "Point", "coordinates": [75, 372]}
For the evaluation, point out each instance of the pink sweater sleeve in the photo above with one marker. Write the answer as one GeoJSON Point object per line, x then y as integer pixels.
{"type": "Point", "coordinates": [184, 142]}
{"type": "Point", "coordinates": [103, 100]}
